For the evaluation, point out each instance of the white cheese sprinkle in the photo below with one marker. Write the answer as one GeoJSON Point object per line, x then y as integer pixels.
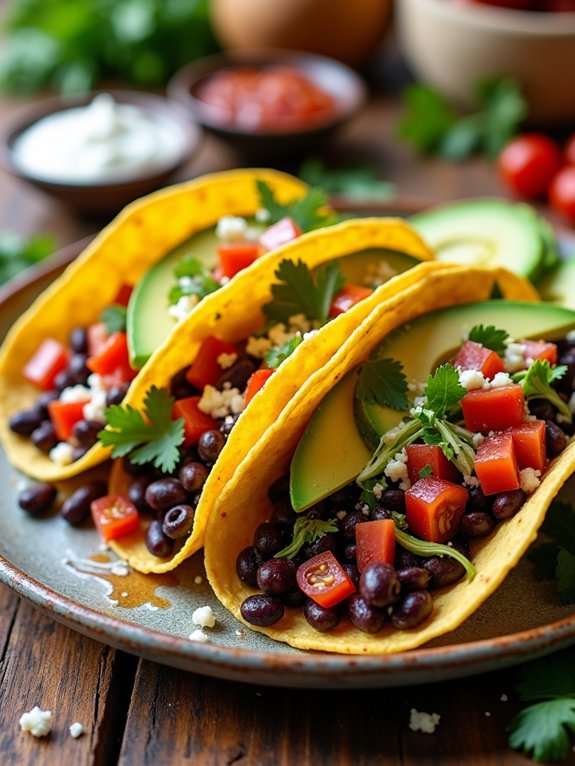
{"type": "Point", "coordinates": [225, 360]}
{"type": "Point", "coordinates": [232, 228]}
{"type": "Point", "coordinates": [529, 480]}
{"type": "Point", "coordinates": [378, 490]}
{"type": "Point", "coordinates": [396, 470]}
{"type": "Point", "coordinates": [180, 310]}
{"type": "Point", "coordinates": [514, 357]}
{"type": "Point", "coordinates": [425, 722]}
{"type": "Point", "coordinates": [95, 408]}
{"type": "Point", "coordinates": [472, 379]}
{"type": "Point", "coordinates": [471, 481]}
{"type": "Point", "coordinates": [37, 722]}
{"type": "Point", "coordinates": [204, 617]}
{"type": "Point", "coordinates": [258, 347]}
{"type": "Point", "coordinates": [501, 379]}
{"type": "Point", "coordinates": [199, 636]}
{"type": "Point", "coordinates": [76, 730]}
{"type": "Point", "coordinates": [220, 404]}
{"type": "Point", "coordinates": [62, 454]}
{"type": "Point", "coordinates": [75, 394]}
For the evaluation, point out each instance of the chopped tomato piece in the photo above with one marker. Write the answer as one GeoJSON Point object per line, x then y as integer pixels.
{"type": "Point", "coordinates": [114, 516]}
{"type": "Point", "coordinates": [539, 349]}
{"type": "Point", "coordinates": [324, 580]}
{"type": "Point", "coordinates": [237, 256]}
{"type": "Point", "coordinates": [97, 338]}
{"type": "Point", "coordinates": [112, 358]}
{"type": "Point", "coordinates": [421, 455]}
{"type": "Point", "coordinates": [196, 422]}
{"type": "Point", "coordinates": [65, 415]}
{"type": "Point", "coordinates": [256, 382]}
{"type": "Point", "coordinates": [218, 274]}
{"type": "Point", "coordinates": [493, 409]}
{"type": "Point", "coordinates": [123, 295]}
{"type": "Point", "coordinates": [347, 298]}
{"type": "Point", "coordinates": [280, 233]}
{"type": "Point", "coordinates": [529, 444]}
{"type": "Point", "coordinates": [50, 358]}
{"type": "Point", "coordinates": [434, 507]}
{"type": "Point", "coordinates": [474, 356]}
{"type": "Point", "coordinates": [375, 542]}
{"type": "Point", "coordinates": [496, 464]}
{"type": "Point", "coordinates": [205, 369]}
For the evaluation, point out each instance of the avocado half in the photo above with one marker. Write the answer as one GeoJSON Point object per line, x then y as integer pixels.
{"type": "Point", "coordinates": [344, 431]}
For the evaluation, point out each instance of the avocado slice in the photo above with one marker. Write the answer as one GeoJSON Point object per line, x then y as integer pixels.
{"type": "Point", "coordinates": [317, 470]}
{"type": "Point", "coordinates": [489, 232]}
{"type": "Point", "coordinates": [559, 285]}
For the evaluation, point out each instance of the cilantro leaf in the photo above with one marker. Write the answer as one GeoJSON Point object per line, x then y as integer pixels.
{"type": "Point", "coordinates": [427, 470]}
{"type": "Point", "coordinates": [358, 182]}
{"type": "Point", "coordinates": [275, 356]}
{"type": "Point", "coordinates": [382, 381]}
{"type": "Point", "coordinates": [552, 676]}
{"type": "Point", "coordinates": [309, 212]}
{"type": "Point", "coordinates": [305, 532]}
{"type": "Point", "coordinates": [300, 292]}
{"type": "Point", "coordinates": [150, 438]}
{"type": "Point", "coordinates": [193, 279]}
{"type": "Point", "coordinates": [114, 317]}
{"type": "Point", "coordinates": [490, 337]}
{"type": "Point", "coordinates": [444, 391]}
{"type": "Point", "coordinates": [536, 383]}
{"type": "Point", "coordinates": [17, 253]}
{"type": "Point", "coordinates": [554, 559]}
{"type": "Point", "coordinates": [428, 118]}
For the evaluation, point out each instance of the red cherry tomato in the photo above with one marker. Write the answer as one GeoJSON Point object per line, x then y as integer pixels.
{"type": "Point", "coordinates": [114, 516]}
{"type": "Point", "coordinates": [562, 193]}
{"type": "Point", "coordinates": [324, 580]}
{"type": "Point", "coordinates": [528, 163]}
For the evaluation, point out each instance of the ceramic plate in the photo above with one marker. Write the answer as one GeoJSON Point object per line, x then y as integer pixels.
{"type": "Point", "coordinates": [63, 571]}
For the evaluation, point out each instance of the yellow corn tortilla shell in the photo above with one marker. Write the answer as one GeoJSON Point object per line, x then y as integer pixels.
{"type": "Point", "coordinates": [244, 503]}
{"type": "Point", "coordinates": [233, 314]}
{"type": "Point", "coordinates": [137, 238]}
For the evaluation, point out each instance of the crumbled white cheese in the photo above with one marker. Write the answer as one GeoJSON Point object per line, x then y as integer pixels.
{"type": "Point", "coordinates": [95, 408]}
{"type": "Point", "coordinates": [514, 357]}
{"type": "Point", "coordinates": [477, 439]}
{"type": "Point", "coordinates": [76, 730]}
{"type": "Point", "coordinates": [472, 379]}
{"type": "Point", "coordinates": [279, 334]}
{"type": "Point", "coordinates": [258, 347]}
{"type": "Point", "coordinates": [570, 335]}
{"type": "Point", "coordinates": [300, 322]}
{"type": "Point", "coordinates": [199, 636]}
{"type": "Point", "coordinates": [417, 387]}
{"type": "Point", "coordinates": [419, 402]}
{"type": "Point", "coordinates": [62, 454]}
{"type": "Point", "coordinates": [37, 722]}
{"type": "Point", "coordinates": [204, 617]}
{"type": "Point", "coordinates": [219, 404]}
{"type": "Point", "coordinates": [425, 722]}
{"type": "Point", "coordinates": [378, 490]}
{"type": "Point", "coordinates": [471, 481]}
{"type": "Point", "coordinates": [378, 272]}
{"type": "Point", "coordinates": [232, 228]}
{"type": "Point", "coordinates": [310, 334]}
{"type": "Point", "coordinates": [396, 470]}
{"type": "Point", "coordinates": [75, 394]}
{"type": "Point", "coordinates": [504, 698]}
{"type": "Point", "coordinates": [180, 310]}
{"type": "Point", "coordinates": [225, 360]}
{"type": "Point", "coordinates": [263, 215]}
{"type": "Point", "coordinates": [501, 379]}
{"type": "Point", "coordinates": [341, 515]}
{"type": "Point", "coordinates": [390, 435]}
{"type": "Point", "coordinates": [529, 479]}
{"type": "Point", "coordinates": [96, 382]}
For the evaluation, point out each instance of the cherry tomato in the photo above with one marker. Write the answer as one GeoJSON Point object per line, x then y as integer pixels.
{"type": "Point", "coordinates": [114, 516]}
{"type": "Point", "coordinates": [562, 193]}
{"type": "Point", "coordinates": [528, 163]}
{"type": "Point", "coordinates": [324, 580]}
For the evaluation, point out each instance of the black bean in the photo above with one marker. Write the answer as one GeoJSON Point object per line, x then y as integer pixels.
{"type": "Point", "coordinates": [413, 578]}
{"type": "Point", "coordinates": [85, 432]}
{"type": "Point", "coordinates": [137, 493]}
{"type": "Point", "coordinates": [565, 383]}
{"type": "Point", "coordinates": [247, 564]}
{"type": "Point", "coordinates": [37, 498]}
{"type": "Point", "coordinates": [193, 476]}
{"type": "Point", "coordinates": [210, 444]}
{"type": "Point", "coordinates": [228, 424]}
{"type": "Point", "coordinates": [320, 617]}
{"type": "Point", "coordinates": [43, 400]}
{"type": "Point", "coordinates": [165, 493]}
{"type": "Point", "coordinates": [294, 598]}
{"type": "Point", "coordinates": [268, 539]}
{"type": "Point", "coordinates": [76, 507]}
{"type": "Point", "coordinates": [262, 610]}
{"type": "Point", "coordinates": [64, 380]}
{"type": "Point", "coordinates": [405, 558]}
{"type": "Point", "coordinates": [79, 452]}
{"type": "Point", "coordinates": [412, 610]}
{"type": "Point", "coordinates": [352, 572]}
{"type": "Point", "coordinates": [277, 576]}
{"type": "Point", "coordinates": [283, 513]}
{"type": "Point", "coordinates": [116, 394]}
{"type": "Point", "coordinates": [555, 439]}
{"type": "Point", "coordinates": [180, 387]}
{"type": "Point", "coordinates": [541, 408]}
{"type": "Point", "coordinates": [394, 499]}
{"type": "Point", "coordinates": [350, 552]}
{"type": "Point", "coordinates": [327, 542]}
{"type": "Point", "coordinates": [477, 500]}
{"type": "Point", "coordinates": [238, 374]}
{"type": "Point", "coordinates": [78, 340]}
{"type": "Point", "coordinates": [77, 369]}
{"type": "Point", "coordinates": [157, 542]}
{"type": "Point", "coordinates": [178, 521]}
{"type": "Point", "coordinates": [25, 421]}
{"type": "Point", "coordinates": [368, 619]}
{"type": "Point", "coordinates": [477, 524]}
{"type": "Point", "coordinates": [134, 469]}
{"type": "Point", "coordinates": [506, 504]}
{"type": "Point", "coordinates": [379, 512]}
{"type": "Point", "coordinates": [349, 522]}
{"type": "Point", "coordinates": [443, 570]}
{"type": "Point", "coordinates": [279, 489]}
{"type": "Point", "coordinates": [379, 584]}
{"type": "Point", "coordinates": [344, 499]}
{"type": "Point", "coordinates": [44, 437]}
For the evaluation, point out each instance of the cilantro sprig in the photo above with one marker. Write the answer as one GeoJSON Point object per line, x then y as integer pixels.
{"type": "Point", "coordinates": [382, 381]}
{"type": "Point", "coordinates": [554, 556]}
{"type": "Point", "coordinates": [309, 212]}
{"type": "Point", "coordinates": [114, 318]}
{"type": "Point", "coordinates": [151, 437]}
{"type": "Point", "coordinates": [195, 280]}
{"type": "Point", "coordinates": [18, 253]}
{"type": "Point", "coordinates": [490, 337]}
{"type": "Point", "coordinates": [536, 383]}
{"type": "Point", "coordinates": [356, 182]}
{"type": "Point", "coordinates": [275, 356]}
{"type": "Point", "coordinates": [305, 532]}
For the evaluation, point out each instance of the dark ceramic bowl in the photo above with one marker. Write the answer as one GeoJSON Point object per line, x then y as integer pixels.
{"type": "Point", "coordinates": [106, 196]}
{"type": "Point", "coordinates": [339, 81]}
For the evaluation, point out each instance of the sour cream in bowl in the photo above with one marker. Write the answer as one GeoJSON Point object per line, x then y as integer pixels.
{"type": "Point", "coordinates": [99, 152]}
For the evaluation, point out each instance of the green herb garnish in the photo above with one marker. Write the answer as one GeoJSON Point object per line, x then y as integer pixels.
{"type": "Point", "coordinates": [382, 381]}
{"type": "Point", "coordinates": [554, 558]}
{"type": "Point", "coordinates": [197, 280]}
{"type": "Point", "coordinates": [309, 212]}
{"type": "Point", "coordinates": [114, 318]}
{"type": "Point", "coordinates": [426, 471]}
{"type": "Point", "coordinates": [490, 337]}
{"type": "Point", "coordinates": [444, 391]}
{"type": "Point", "coordinates": [425, 549]}
{"type": "Point", "coordinates": [17, 253]}
{"type": "Point", "coordinates": [275, 356]}
{"type": "Point", "coordinates": [149, 438]}
{"type": "Point", "coordinates": [358, 182]}
{"type": "Point", "coordinates": [305, 532]}
{"type": "Point", "coordinates": [536, 383]}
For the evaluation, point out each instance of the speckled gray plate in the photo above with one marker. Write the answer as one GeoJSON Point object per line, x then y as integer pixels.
{"type": "Point", "coordinates": [40, 559]}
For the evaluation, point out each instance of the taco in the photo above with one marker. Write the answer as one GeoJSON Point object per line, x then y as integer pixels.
{"type": "Point", "coordinates": [293, 309]}
{"type": "Point", "coordinates": [407, 476]}
{"type": "Point", "coordinates": [78, 348]}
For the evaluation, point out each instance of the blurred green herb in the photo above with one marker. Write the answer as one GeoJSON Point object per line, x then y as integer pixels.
{"type": "Point", "coordinates": [17, 253]}
{"type": "Point", "coordinates": [554, 556]}
{"type": "Point", "coordinates": [72, 45]}
{"type": "Point", "coordinates": [433, 126]}
{"type": "Point", "coordinates": [358, 182]}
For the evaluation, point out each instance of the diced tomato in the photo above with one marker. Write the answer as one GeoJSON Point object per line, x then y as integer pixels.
{"type": "Point", "coordinates": [114, 516]}
{"type": "Point", "coordinates": [324, 580]}
{"type": "Point", "coordinates": [97, 338]}
{"type": "Point", "coordinates": [205, 369]}
{"type": "Point", "coordinates": [375, 542]}
{"type": "Point", "coordinates": [218, 274]}
{"type": "Point", "coordinates": [256, 382]}
{"type": "Point", "coordinates": [348, 297]}
{"type": "Point", "coordinates": [280, 233]}
{"type": "Point", "coordinates": [474, 356]}
{"type": "Point", "coordinates": [434, 507]}
{"type": "Point", "coordinates": [539, 349]}
{"type": "Point", "coordinates": [112, 358]}
{"type": "Point", "coordinates": [421, 455]}
{"type": "Point", "coordinates": [237, 256]}
{"type": "Point", "coordinates": [529, 444]}
{"type": "Point", "coordinates": [493, 409]}
{"type": "Point", "coordinates": [196, 422]}
{"type": "Point", "coordinates": [50, 358]}
{"type": "Point", "coordinates": [65, 415]}
{"type": "Point", "coordinates": [123, 295]}
{"type": "Point", "coordinates": [496, 464]}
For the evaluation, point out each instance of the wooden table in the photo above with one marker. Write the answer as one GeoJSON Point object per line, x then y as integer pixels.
{"type": "Point", "coordinates": [136, 712]}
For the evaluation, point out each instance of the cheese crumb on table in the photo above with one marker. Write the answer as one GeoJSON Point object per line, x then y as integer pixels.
{"type": "Point", "coordinates": [37, 722]}
{"type": "Point", "coordinates": [424, 722]}
{"type": "Point", "coordinates": [199, 636]}
{"type": "Point", "coordinates": [76, 730]}
{"type": "Point", "coordinates": [204, 617]}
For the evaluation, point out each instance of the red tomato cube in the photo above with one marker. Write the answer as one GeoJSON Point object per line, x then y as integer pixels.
{"type": "Point", "coordinates": [421, 455]}
{"type": "Point", "coordinates": [323, 579]}
{"type": "Point", "coordinates": [65, 415]}
{"type": "Point", "coordinates": [539, 349]}
{"type": "Point", "coordinates": [529, 444]}
{"type": "Point", "coordinates": [279, 234]}
{"type": "Point", "coordinates": [493, 409]}
{"type": "Point", "coordinates": [50, 358]}
{"type": "Point", "coordinates": [347, 298]}
{"type": "Point", "coordinates": [474, 356]}
{"type": "Point", "coordinates": [256, 382]}
{"type": "Point", "coordinates": [496, 464]}
{"type": "Point", "coordinates": [114, 516]}
{"type": "Point", "coordinates": [196, 422]}
{"type": "Point", "coordinates": [434, 507]}
{"type": "Point", "coordinates": [205, 369]}
{"type": "Point", "coordinates": [235, 257]}
{"type": "Point", "coordinates": [112, 358]}
{"type": "Point", "coordinates": [375, 542]}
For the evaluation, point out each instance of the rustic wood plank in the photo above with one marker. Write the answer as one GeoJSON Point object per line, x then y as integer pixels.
{"type": "Point", "coordinates": [46, 664]}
